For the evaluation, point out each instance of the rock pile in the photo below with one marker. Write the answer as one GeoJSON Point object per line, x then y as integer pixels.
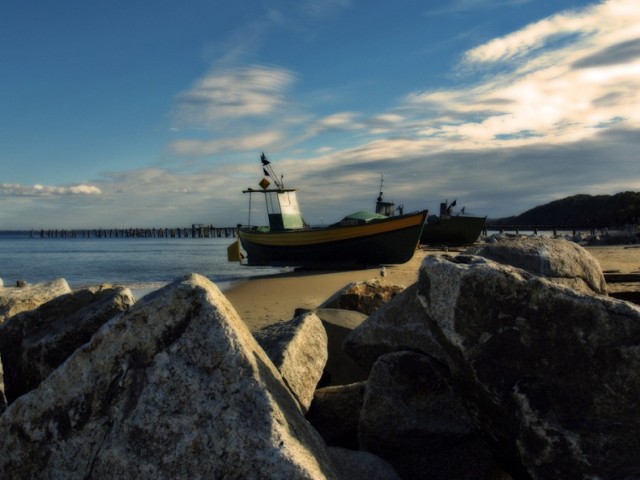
{"type": "Point", "coordinates": [480, 370]}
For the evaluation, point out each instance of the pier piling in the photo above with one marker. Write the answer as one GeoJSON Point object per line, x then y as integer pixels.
{"type": "Point", "coordinates": [196, 231]}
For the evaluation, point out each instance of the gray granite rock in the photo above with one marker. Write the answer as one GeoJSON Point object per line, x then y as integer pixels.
{"type": "Point", "coordinates": [340, 369]}
{"type": "Point", "coordinates": [551, 375]}
{"type": "Point", "coordinates": [36, 342]}
{"type": "Point", "coordinates": [555, 259]}
{"type": "Point", "coordinates": [412, 418]}
{"type": "Point", "coordinates": [399, 325]}
{"type": "Point", "coordinates": [358, 465]}
{"type": "Point", "coordinates": [298, 349]}
{"type": "Point", "coordinates": [335, 413]}
{"type": "Point", "coordinates": [177, 387]}
{"type": "Point", "coordinates": [365, 297]}
{"type": "Point", "coordinates": [16, 300]}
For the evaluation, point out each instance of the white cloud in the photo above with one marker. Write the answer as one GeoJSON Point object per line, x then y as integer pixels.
{"type": "Point", "coordinates": [191, 147]}
{"type": "Point", "coordinates": [533, 37]}
{"type": "Point", "coordinates": [17, 190]}
{"type": "Point", "coordinates": [338, 121]}
{"type": "Point", "coordinates": [556, 92]}
{"type": "Point", "coordinates": [231, 94]}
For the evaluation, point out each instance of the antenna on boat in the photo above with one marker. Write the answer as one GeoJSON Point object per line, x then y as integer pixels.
{"type": "Point", "coordinates": [381, 180]}
{"type": "Point", "coordinates": [268, 171]}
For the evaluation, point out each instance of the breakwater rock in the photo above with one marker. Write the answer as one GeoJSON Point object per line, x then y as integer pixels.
{"type": "Point", "coordinates": [176, 387]}
{"type": "Point", "coordinates": [479, 370]}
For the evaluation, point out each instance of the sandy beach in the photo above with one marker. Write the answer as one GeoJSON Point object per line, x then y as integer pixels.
{"type": "Point", "coordinates": [266, 300]}
{"type": "Point", "coordinates": [618, 258]}
{"type": "Point", "coordinates": [261, 301]}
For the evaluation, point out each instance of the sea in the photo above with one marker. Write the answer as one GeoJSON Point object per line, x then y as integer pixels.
{"type": "Point", "coordinates": [140, 263]}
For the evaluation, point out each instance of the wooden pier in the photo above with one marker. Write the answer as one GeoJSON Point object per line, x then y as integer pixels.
{"type": "Point", "coordinates": [195, 231]}
{"type": "Point", "coordinates": [502, 228]}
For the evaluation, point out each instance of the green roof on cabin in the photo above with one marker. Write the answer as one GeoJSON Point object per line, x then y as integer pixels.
{"type": "Point", "coordinates": [365, 216]}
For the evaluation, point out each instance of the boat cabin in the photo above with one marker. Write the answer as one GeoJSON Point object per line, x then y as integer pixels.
{"type": "Point", "coordinates": [282, 208]}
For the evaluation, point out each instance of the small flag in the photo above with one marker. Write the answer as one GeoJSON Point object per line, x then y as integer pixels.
{"type": "Point", "coordinates": [454, 203]}
{"type": "Point", "coordinates": [266, 173]}
{"type": "Point", "coordinates": [263, 157]}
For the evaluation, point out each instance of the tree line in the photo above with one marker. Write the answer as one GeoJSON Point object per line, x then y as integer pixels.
{"type": "Point", "coordinates": [582, 210]}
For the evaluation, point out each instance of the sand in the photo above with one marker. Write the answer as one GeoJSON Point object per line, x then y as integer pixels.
{"type": "Point", "coordinates": [618, 258]}
{"type": "Point", "coordinates": [262, 301]}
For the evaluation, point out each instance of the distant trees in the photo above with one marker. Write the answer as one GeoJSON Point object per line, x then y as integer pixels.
{"type": "Point", "coordinates": [582, 210]}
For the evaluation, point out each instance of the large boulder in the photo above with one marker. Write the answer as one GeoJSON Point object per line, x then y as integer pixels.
{"type": "Point", "coordinates": [556, 259]}
{"type": "Point", "coordinates": [3, 398]}
{"type": "Point", "coordinates": [340, 369]}
{"type": "Point", "coordinates": [400, 324]}
{"type": "Point", "coordinates": [36, 342]}
{"type": "Point", "coordinates": [298, 349]}
{"type": "Point", "coordinates": [358, 465]}
{"type": "Point", "coordinates": [365, 297]}
{"type": "Point", "coordinates": [16, 300]}
{"type": "Point", "coordinates": [335, 413]}
{"type": "Point", "coordinates": [551, 375]}
{"type": "Point", "coordinates": [411, 418]}
{"type": "Point", "coordinates": [177, 387]}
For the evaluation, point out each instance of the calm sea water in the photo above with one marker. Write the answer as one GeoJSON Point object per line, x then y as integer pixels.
{"type": "Point", "coordinates": [137, 263]}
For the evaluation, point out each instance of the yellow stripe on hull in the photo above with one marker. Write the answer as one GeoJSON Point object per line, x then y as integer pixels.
{"type": "Point", "coordinates": [331, 234]}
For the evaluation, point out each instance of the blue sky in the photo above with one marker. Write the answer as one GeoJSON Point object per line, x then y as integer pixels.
{"type": "Point", "coordinates": [154, 114]}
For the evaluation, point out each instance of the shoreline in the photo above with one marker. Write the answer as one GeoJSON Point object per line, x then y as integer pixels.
{"type": "Point", "coordinates": [262, 301]}
{"type": "Point", "coordinates": [266, 299]}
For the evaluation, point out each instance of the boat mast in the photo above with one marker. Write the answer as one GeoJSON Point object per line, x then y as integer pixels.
{"type": "Point", "coordinates": [267, 169]}
{"type": "Point", "coordinates": [384, 208]}
{"type": "Point", "coordinates": [381, 180]}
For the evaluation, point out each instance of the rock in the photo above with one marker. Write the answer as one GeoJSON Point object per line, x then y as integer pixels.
{"type": "Point", "coordinates": [3, 398]}
{"type": "Point", "coordinates": [412, 419]}
{"type": "Point", "coordinates": [355, 465]}
{"type": "Point", "coordinates": [558, 260]}
{"type": "Point", "coordinates": [36, 342]}
{"type": "Point", "coordinates": [551, 375]}
{"type": "Point", "coordinates": [335, 412]}
{"type": "Point", "coordinates": [399, 325]}
{"type": "Point", "coordinates": [298, 349]}
{"type": "Point", "coordinates": [177, 387]}
{"type": "Point", "coordinates": [633, 296]}
{"type": "Point", "coordinates": [16, 300]}
{"type": "Point", "coordinates": [340, 368]}
{"type": "Point", "coordinates": [365, 297]}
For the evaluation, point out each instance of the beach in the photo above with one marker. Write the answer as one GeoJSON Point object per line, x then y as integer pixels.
{"type": "Point", "coordinates": [261, 301]}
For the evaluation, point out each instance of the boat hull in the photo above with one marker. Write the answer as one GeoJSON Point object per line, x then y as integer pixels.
{"type": "Point", "coordinates": [382, 242]}
{"type": "Point", "coordinates": [453, 230]}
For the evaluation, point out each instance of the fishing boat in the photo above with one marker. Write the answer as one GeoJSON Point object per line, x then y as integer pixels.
{"type": "Point", "coordinates": [452, 229]}
{"type": "Point", "coordinates": [359, 239]}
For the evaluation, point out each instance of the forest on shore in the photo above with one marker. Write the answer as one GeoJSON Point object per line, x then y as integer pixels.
{"type": "Point", "coordinates": [581, 210]}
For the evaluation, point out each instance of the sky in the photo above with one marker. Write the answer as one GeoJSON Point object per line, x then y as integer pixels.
{"type": "Point", "coordinates": [154, 114]}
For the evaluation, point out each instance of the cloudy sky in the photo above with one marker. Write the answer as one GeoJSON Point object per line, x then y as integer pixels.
{"type": "Point", "coordinates": [144, 113]}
